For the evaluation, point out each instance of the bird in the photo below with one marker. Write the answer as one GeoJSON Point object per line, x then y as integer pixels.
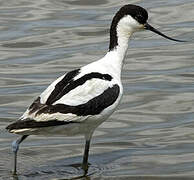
{"type": "Point", "coordinates": [80, 100]}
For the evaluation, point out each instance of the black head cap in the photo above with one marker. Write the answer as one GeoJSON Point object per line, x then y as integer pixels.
{"type": "Point", "coordinates": [140, 15]}
{"type": "Point", "coordinates": [137, 12]}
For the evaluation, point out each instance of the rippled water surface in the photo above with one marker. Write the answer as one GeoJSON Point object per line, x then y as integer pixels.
{"type": "Point", "coordinates": [149, 137]}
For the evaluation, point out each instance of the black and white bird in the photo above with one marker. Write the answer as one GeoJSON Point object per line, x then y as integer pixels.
{"type": "Point", "coordinates": [79, 101]}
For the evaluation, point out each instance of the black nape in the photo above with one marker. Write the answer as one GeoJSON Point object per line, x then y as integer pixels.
{"type": "Point", "coordinates": [137, 12]}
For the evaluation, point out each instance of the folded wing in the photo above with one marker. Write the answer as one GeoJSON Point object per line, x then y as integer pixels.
{"type": "Point", "coordinates": [70, 100]}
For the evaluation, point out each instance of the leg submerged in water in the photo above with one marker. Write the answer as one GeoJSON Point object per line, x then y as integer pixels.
{"type": "Point", "coordinates": [15, 148]}
{"type": "Point", "coordinates": [85, 158]}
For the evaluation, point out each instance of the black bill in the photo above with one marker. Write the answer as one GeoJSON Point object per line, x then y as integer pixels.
{"type": "Point", "coordinates": [149, 27]}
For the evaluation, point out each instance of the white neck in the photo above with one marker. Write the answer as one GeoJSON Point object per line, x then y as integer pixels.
{"type": "Point", "coordinates": [115, 57]}
{"type": "Point", "coordinates": [120, 32]}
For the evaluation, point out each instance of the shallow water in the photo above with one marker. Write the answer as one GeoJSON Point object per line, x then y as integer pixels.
{"type": "Point", "coordinates": [151, 134]}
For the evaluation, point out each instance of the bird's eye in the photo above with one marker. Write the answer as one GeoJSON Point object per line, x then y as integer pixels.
{"type": "Point", "coordinates": [140, 18]}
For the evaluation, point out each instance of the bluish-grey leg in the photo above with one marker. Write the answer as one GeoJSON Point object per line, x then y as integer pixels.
{"type": "Point", "coordinates": [85, 158]}
{"type": "Point", "coordinates": [15, 148]}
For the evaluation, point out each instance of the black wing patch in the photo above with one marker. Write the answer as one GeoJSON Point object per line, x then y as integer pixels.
{"type": "Point", "coordinates": [67, 84]}
{"type": "Point", "coordinates": [30, 123]}
{"type": "Point", "coordinates": [36, 105]}
{"type": "Point", "coordinates": [92, 107]}
{"type": "Point", "coordinates": [60, 86]}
